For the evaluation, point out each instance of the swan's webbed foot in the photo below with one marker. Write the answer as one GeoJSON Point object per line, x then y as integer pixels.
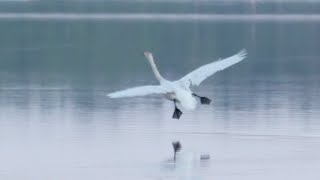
{"type": "Point", "coordinates": [177, 113]}
{"type": "Point", "coordinates": [203, 100]}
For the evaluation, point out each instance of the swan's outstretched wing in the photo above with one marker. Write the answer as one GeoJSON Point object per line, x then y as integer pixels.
{"type": "Point", "coordinates": [195, 77]}
{"type": "Point", "coordinates": [139, 91]}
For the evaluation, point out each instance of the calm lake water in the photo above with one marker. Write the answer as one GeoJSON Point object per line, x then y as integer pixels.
{"type": "Point", "coordinates": [55, 71]}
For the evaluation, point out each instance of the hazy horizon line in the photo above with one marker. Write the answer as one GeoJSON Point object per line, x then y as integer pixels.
{"type": "Point", "coordinates": [189, 17]}
{"type": "Point", "coordinates": [165, 17]}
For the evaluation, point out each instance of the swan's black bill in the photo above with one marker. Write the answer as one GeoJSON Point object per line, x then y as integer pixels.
{"type": "Point", "coordinates": [177, 113]}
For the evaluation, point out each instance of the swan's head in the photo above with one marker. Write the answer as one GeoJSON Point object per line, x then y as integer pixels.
{"type": "Point", "coordinates": [148, 55]}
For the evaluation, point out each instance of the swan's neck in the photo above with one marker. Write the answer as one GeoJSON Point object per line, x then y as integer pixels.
{"type": "Point", "coordinates": [155, 69]}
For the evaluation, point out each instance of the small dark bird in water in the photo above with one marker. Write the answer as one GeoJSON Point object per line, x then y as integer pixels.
{"type": "Point", "coordinates": [176, 148]}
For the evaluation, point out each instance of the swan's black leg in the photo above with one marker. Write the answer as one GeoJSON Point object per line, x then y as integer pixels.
{"type": "Point", "coordinates": [203, 100]}
{"type": "Point", "coordinates": [177, 113]}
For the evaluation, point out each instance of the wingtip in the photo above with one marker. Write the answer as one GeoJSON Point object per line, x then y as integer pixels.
{"type": "Point", "coordinates": [110, 95]}
{"type": "Point", "coordinates": [243, 53]}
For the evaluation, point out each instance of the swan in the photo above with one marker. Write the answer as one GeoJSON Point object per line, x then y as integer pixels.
{"type": "Point", "coordinates": [176, 152]}
{"type": "Point", "coordinates": [179, 91]}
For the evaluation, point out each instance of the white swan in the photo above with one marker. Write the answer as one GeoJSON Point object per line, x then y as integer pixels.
{"type": "Point", "coordinates": [179, 91]}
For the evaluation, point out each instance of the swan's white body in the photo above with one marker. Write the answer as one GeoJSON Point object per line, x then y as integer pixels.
{"type": "Point", "coordinates": [180, 90]}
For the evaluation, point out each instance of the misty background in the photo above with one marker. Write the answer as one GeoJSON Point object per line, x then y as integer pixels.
{"type": "Point", "coordinates": [56, 121]}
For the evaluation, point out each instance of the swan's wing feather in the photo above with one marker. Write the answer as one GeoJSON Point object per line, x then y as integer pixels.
{"type": "Point", "coordinates": [139, 91]}
{"type": "Point", "coordinates": [195, 77]}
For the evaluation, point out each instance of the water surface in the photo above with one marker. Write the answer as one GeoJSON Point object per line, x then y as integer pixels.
{"type": "Point", "coordinates": [57, 123]}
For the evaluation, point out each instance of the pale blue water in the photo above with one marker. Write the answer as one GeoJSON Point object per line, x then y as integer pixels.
{"type": "Point", "coordinates": [57, 123]}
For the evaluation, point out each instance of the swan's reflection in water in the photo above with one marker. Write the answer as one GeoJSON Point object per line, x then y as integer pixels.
{"type": "Point", "coordinates": [188, 166]}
